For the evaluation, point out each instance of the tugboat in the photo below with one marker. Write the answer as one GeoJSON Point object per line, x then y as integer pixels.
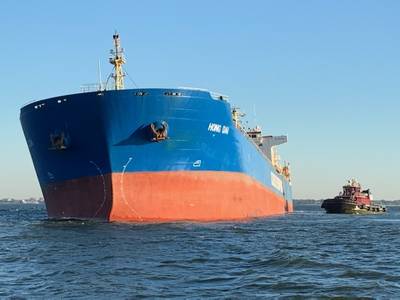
{"type": "Point", "coordinates": [353, 200]}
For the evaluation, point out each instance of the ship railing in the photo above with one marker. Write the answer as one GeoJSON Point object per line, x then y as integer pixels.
{"type": "Point", "coordinates": [214, 95]}
{"type": "Point", "coordinates": [92, 87]}
{"type": "Point", "coordinates": [219, 96]}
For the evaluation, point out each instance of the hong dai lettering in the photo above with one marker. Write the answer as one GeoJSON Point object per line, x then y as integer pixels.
{"type": "Point", "coordinates": [218, 128]}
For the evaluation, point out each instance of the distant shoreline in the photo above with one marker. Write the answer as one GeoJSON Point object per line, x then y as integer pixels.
{"type": "Point", "coordinates": [22, 201]}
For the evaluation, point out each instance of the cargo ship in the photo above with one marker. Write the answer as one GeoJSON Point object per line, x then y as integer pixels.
{"type": "Point", "coordinates": [152, 154]}
{"type": "Point", "coordinates": [353, 200]}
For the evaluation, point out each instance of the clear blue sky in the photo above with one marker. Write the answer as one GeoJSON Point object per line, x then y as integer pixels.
{"type": "Point", "coordinates": [324, 72]}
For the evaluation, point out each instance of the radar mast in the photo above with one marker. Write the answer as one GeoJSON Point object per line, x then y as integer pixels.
{"type": "Point", "coordinates": [117, 60]}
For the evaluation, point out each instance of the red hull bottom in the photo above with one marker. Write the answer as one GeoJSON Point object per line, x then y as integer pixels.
{"type": "Point", "coordinates": [163, 196]}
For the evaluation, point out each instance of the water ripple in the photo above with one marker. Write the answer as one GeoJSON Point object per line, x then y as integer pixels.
{"type": "Point", "coordinates": [306, 255]}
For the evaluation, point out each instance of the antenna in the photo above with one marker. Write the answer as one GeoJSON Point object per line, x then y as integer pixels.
{"type": "Point", "coordinates": [99, 73]}
{"type": "Point", "coordinates": [117, 60]}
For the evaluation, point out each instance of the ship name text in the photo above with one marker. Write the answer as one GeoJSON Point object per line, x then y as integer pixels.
{"type": "Point", "coordinates": [218, 128]}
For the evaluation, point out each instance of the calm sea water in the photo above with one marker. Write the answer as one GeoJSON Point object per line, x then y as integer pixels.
{"type": "Point", "coordinates": [307, 254]}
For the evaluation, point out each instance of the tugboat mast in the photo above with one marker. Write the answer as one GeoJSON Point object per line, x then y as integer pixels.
{"type": "Point", "coordinates": [117, 60]}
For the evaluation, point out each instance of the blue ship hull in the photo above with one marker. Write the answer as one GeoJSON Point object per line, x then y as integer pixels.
{"type": "Point", "coordinates": [96, 156]}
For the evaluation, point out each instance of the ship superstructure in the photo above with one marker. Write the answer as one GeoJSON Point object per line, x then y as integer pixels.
{"type": "Point", "coordinates": [152, 154]}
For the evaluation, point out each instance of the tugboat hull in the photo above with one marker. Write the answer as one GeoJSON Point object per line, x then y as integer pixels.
{"type": "Point", "coordinates": [335, 206]}
{"type": "Point", "coordinates": [344, 206]}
